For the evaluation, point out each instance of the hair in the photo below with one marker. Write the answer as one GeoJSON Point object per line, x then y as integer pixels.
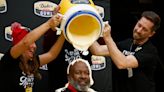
{"type": "Point", "coordinates": [87, 64]}
{"type": "Point", "coordinates": [31, 67]}
{"type": "Point", "coordinates": [153, 17]}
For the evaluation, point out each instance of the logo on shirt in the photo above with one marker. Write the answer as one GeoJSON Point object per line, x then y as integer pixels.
{"type": "Point", "coordinates": [3, 6]}
{"type": "Point", "coordinates": [71, 55]}
{"type": "Point", "coordinates": [98, 62]}
{"type": "Point", "coordinates": [126, 53]}
{"type": "Point", "coordinates": [26, 80]}
{"type": "Point", "coordinates": [44, 8]}
{"type": "Point", "coordinates": [44, 67]}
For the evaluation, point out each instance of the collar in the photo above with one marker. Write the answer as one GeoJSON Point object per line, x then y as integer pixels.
{"type": "Point", "coordinates": [71, 88]}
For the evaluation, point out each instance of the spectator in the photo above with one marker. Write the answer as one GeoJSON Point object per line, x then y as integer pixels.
{"type": "Point", "coordinates": [79, 77]}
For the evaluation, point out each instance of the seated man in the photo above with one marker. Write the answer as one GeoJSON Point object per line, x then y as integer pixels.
{"type": "Point", "coordinates": [79, 77]}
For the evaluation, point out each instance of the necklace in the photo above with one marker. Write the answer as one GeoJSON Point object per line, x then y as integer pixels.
{"type": "Point", "coordinates": [135, 47]}
{"type": "Point", "coordinates": [131, 46]}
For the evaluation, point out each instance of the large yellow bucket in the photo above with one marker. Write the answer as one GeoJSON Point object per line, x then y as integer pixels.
{"type": "Point", "coordinates": [81, 24]}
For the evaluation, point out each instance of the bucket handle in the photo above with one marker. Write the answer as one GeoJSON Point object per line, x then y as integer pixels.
{"type": "Point", "coordinates": [105, 22]}
{"type": "Point", "coordinates": [57, 28]}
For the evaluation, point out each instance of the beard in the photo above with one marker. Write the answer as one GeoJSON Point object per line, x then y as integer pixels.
{"type": "Point", "coordinates": [79, 87]}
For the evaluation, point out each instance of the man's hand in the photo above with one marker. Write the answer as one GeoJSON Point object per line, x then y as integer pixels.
{"type": "Point", "coordinates": [107, 31]}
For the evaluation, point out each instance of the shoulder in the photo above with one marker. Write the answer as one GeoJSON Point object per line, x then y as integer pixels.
{"type": "Point", "coordinates": [129, 40]}
{"type": "Point", "coordinates": [60, 89]}
{"type": "Point", "coordinates": [6, 56]}
{"type": "Point", "coordinates": [150, 48]}
{"type": "Point", "coordinates": [91, 90]}
{"type": "Point", "coordinates": [124, 44]}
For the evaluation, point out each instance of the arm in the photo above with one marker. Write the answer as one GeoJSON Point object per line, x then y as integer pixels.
{"type": "Point", "coordinates": [100, 50]}
{"type": "Point", "coordinates": [34, 35]}
{"type": "Point", "coordinates": [53, 52]}
{"type": "Point", "coordinates": [97, 49]}
{"type": "Point", "coordinates": [119, 59]}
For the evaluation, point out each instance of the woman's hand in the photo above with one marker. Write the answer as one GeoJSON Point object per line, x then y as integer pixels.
{"type": "Point", "coordinates": [56, 19]}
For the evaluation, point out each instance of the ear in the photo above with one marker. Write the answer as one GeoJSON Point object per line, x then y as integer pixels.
{"type": "Point", "coordinates": [152, 33]}
{"type": "Point", "coordinates": [68, 77]}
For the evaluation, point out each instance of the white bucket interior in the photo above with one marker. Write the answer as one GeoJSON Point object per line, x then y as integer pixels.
{"type": "Point", "coordinates": [83, 30]}
{"type": "Point", "coordinates": [82, 25]}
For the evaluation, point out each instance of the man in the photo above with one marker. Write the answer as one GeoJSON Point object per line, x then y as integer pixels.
{"type": "Point", "coordinates": [19, 65]}
{"type": "Point", "coordinates": [79, 77]}
{"type": "Point", "coordinates": [135, 58]}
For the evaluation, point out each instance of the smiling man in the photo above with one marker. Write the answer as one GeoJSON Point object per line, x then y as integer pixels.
{"type": "Point", "coordinates": [79, 77]}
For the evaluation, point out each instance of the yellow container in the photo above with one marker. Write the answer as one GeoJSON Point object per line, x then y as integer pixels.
{"type": "Point", "coordinates": [81, 23]}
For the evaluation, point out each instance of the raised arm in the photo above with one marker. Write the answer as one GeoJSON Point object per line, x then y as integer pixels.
{"type": "Point", "coordinates": [34, 35]}
{"type": "Point", "coordinates": [119, 59]}
{"type": "Point", "coordinates": [100, 50]}
{"type": "Point", "coordinates": [97, 49]}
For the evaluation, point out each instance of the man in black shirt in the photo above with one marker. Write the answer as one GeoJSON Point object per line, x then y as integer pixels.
{"type": "Point", "coordinates": [135, 59]}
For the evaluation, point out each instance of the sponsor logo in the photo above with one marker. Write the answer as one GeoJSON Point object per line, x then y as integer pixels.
{"type": "Point", "coordinates": [8, 33]}
{"type": "Point", "coordinates": [44, 8]}
{"type": "Point", "coordinates": [3, 6]}
{"type": "Point", "coordinates": [98, 62]}
{"type": "Point", "coordinates": [44, 67]}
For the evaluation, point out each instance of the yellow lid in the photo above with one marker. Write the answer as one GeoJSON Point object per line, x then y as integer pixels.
{"type": "Point", "coordinates": [66, 4]}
